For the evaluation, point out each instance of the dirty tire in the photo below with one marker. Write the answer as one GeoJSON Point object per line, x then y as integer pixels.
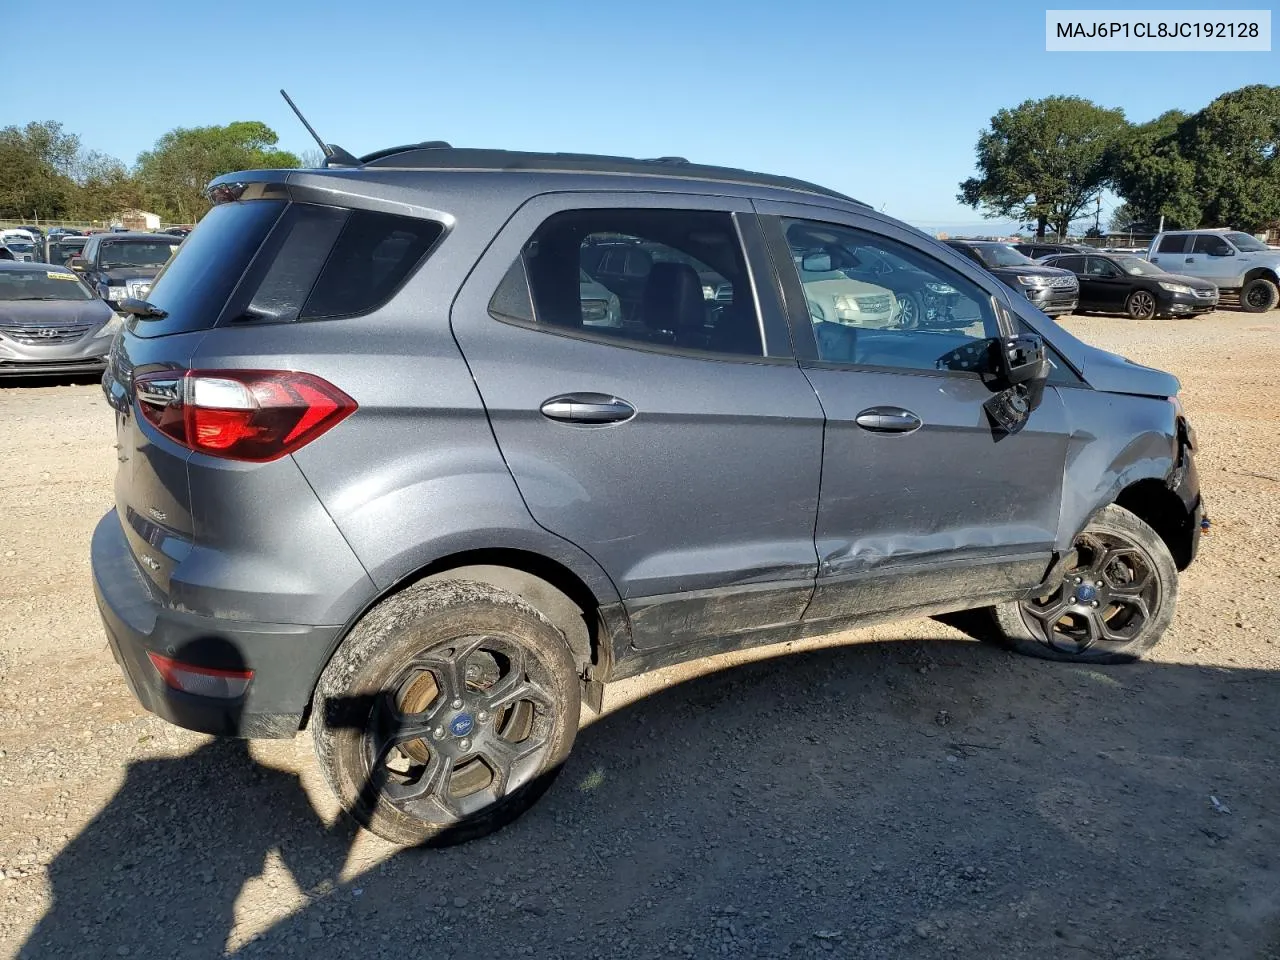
{"type": "Point", "coordinates": [361, 704]}
{"type": "Point", "coordinates": [1259, 295]}
{"type": "Point", "coordinates": [1136, 546]}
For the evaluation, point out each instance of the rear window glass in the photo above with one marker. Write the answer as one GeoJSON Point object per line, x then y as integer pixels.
{"type": "Point", "coordinates": [195, 285]}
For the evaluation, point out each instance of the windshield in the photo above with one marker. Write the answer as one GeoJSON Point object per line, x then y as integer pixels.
{"type": "Point", "coordinates": [18, 246]}
{"type": "Point", "coordinates": [136, 253]}
{"type": "Point", "coordinates": [1138, 267]}
{"type": "Point", "coordinates": [1246, 243]}
{"type": "Point", "coordinates": [41, 285]}
{"type": "Point", "coordinates": [1002, 255]}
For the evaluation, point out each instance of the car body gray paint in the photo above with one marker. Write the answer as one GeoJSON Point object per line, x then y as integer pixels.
{"type": "Point", "coordinates": [415, 475]}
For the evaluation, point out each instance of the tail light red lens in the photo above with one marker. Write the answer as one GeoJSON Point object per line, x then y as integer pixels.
{"type": "Point", "coordinates": [252, 415]}
{"type": "Point", "coordinates": [202, 681]}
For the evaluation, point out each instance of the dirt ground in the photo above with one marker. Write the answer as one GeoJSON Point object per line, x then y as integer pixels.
{"type": "Point", "coordinates": [918, 796]}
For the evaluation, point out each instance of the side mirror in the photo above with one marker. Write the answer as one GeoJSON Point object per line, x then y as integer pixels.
{"type": "Point", "coordinates": [1020, 360]}
{"type": "Point", "coordinates": [1227, 252]}
{"type": "Point", "coordinates": [1021, 368]}
{"type": "Point", "coordinates": [77, 264]}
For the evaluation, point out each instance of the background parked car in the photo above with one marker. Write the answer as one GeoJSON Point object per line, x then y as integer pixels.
{"type": "Point", "coordinates": [19, 245]}
{"type": "Point", "coordinates": [59, 248]}
{"type": "Point", "coordinates": [1037, 250]}
{"type": "Point", "coordinates": [50, 322]}
{"type": "Point", "coordinates": [1131, 285]}
{"type": "Point", "coordinates": [1053, 290]}
{"type": "Point", "coordinates": [1230, 259]}
{"type": "Point", "coordinates": [120, 265]}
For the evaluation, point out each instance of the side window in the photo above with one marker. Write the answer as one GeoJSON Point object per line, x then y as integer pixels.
{"type": "Point", "coordinates": [667, 278]}
{"type": "Point", "coordinates": [1097, 267]}
{"type": "Point", "coordinates": [1060, 372]}
{"type": "Point", "coordinates": [1074, 264]}
{"type": "Point", "coordinates": [876, 302]}
{"type": "Point", "coordinates": [1174, 243]}
{"type": "Point", "coordinates": [1210, 245]}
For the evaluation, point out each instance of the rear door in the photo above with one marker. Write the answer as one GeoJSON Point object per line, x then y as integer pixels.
{"type": "Point", "coordinates": [1171, 253]}
{"type": "Point", "coordinates": [923, 502]}
{"type": "Point", "coordinates": [682, 451]}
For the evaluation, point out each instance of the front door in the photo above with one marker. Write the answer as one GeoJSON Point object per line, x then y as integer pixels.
{"type": "Point", "coordinates": [674, 438]}
{"type": "Point", "coordinates": [1108, 287]}
{"type": "Point", "coordinates": [922, 502]}
{"type": "Point", "coordinates": [1211, 258]}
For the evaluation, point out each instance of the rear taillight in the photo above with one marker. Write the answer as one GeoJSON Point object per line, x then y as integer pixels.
{"type": "Point", "coordinates": [254, 415]}
{"type": "Point", "coordinates": [202, 681]}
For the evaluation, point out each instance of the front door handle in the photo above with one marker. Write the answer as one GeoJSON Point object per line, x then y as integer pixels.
{"type": "Point", "coordinates": [587, 408]}
{"type": "Point", "coordinates": [1191, 260]}
{"type": "Point", "coordinates": [887, 420]}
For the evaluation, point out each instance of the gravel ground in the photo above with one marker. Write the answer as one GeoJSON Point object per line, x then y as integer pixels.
{"type": "Point", "coordinates": [923, 795]}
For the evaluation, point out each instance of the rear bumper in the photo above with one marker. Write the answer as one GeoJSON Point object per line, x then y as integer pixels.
{"type": "Point", "coordinates": [286, 658]}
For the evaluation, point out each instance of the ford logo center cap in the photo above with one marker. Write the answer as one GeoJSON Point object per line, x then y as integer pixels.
{"type": "Point", "coordinates": [461, 725]}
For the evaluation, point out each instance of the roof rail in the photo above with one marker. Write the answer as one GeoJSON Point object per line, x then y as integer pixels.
{"type": "Point", "coordinates": [438, 155]}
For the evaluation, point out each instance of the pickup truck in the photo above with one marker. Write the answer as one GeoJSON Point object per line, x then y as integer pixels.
{"type": "Point", "coordinates": [1233, 260]}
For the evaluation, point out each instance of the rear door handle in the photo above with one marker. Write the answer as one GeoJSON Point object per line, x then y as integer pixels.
{"type": "Point", "coordinates": [587, 408]}
{"type": "Point", "coordinates": [887, 420]}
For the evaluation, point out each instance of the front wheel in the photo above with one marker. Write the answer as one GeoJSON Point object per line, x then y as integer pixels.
{"type": "Point", "coordinates": [1112, 604]}
{"type": "Point", "coordinates": [446, 712]}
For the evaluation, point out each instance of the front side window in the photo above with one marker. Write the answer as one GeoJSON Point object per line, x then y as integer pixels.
{"type": "Point", "coordinates": [660, 278]}
{"type": "Point", "coordinates": [1246, 243]}
{"type": "Point", "coordinates": [1001, 255]}
{"type": "Point", "coordinates": [876, 302]}
{"type": "Point", "coordinates": [1211, 246]}
{"type": "Point", "coordinates": [1098, 267]}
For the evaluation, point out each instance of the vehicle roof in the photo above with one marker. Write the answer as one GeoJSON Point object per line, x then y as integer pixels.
{"type": "Point", "coordinates": [552, 171]}
{"type": "Point", "coordinates": [129, 235]}
{"type": "Point", "coordinates": [1206, 230]}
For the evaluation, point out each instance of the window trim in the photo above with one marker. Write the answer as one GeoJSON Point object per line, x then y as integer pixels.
{"type": "Point", "coordinates": [806, 344]}
{"type": "Point", "coordinates": [741, 231]}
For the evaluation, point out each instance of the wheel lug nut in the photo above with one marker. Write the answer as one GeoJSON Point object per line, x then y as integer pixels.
{"type": "Point", "coordinates": [1098, 584]}
{"type": "Point", "coordinates": [1094, 603]}
{"type": "Point", "coordinates": [437, 733]}
{"type": "Point", "coordinates": [457, 704]}
{"type": "Point", "coordinates": [465, 744]}
{"type": "Point", "coordinates": [1079, 580]}
{"type": "Point", "coordinates": [482, 716]}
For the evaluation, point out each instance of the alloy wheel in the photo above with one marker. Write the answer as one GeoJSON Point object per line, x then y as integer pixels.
{"type": "Point", "coordinates": [1108, 593]}
{"type": "Point", "coordinates": [1142, 305]}
{"type": "Point", "coordinates": [462, 726]}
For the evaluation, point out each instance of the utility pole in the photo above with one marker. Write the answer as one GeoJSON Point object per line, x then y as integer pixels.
{"type": "Point", "coordinates": [1097, 216]}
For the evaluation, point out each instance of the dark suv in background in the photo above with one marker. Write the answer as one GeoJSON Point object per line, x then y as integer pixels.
{"type": "Point", "coordinates": [121, 265]}
{"type": "Point", "coordinates": [381, 475]}
{"type": "Point", "coordinates": [1054, 291]}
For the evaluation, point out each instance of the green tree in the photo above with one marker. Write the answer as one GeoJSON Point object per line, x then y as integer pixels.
{"type": "Point", "coordinates": [1217, 167]}
{"type": "Point", "coordinates": [1044, 161]}
{"type": "Point", "coordinates": [35, 170]}
{"type": "Point", "coordinates": [174, 174]}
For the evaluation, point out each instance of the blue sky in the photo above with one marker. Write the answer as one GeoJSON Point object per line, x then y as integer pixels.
{"type": "Point", "coordinates": [883, 101]}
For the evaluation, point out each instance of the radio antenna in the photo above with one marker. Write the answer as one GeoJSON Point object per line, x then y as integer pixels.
{"type": "Point", "coordinates": [334, 156]}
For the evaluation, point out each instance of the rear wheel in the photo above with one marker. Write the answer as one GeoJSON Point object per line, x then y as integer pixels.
{"type": "Point", "coordinates": [1141, 305]}
{"type": "Point", "coordinates": [1259, 295]}
{"type": "Point", "coordinates": [1113, 603]}
{"type": "Point", "coordinates": [446, 713]}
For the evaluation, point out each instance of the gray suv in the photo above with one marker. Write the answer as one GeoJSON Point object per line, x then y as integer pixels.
{"type": "Point", "coordinates": [381, 476]}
